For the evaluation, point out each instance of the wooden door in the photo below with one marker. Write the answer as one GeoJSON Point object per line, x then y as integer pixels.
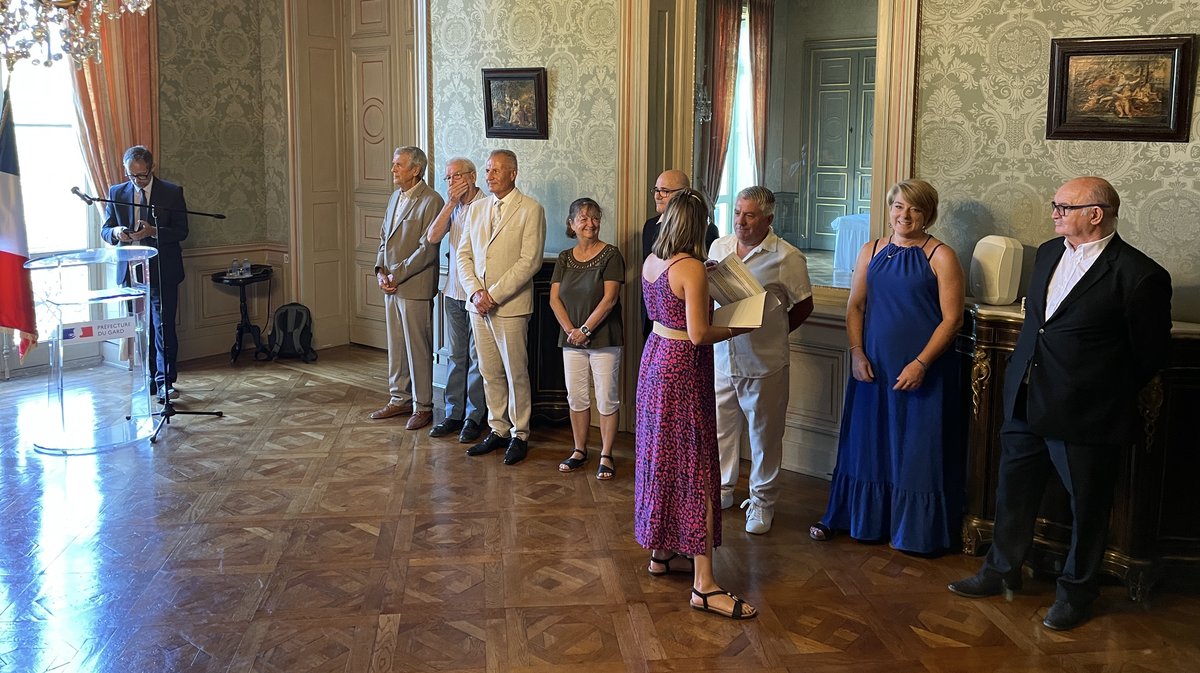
{"type": "Point", "coordinates": [841, 103]}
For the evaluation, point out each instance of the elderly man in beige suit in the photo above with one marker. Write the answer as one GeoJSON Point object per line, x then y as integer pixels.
{"type": "Point", "coordinates": [502, 250]}
{"type": "Point", "coordinates": [407, 274]}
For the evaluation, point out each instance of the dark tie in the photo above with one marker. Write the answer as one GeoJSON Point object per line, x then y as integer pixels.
{"type": "Point", "coordinates": [141, 211]}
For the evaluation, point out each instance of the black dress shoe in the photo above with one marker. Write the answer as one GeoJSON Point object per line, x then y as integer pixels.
{"type": "Point", "coordinates": [517, 450]}
{"type": "Point", "coordinates": [488, 445]}
{"type": "Point", "coordinates": [1062, 616]}
{"type": "Point", "coordinates": [470, 432]}
{"type": "Point", "coordinates": [982, 586]}
{"type": "Point", "coordinates": [446, 427]}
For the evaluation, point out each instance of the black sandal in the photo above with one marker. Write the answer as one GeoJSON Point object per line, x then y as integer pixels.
{"type": "Point", "coordinates": [739, 605]}
{"type": "Point", "coordinates": [572, 463]}
{"type": "Point", "coordinates": [820, 532]}
{"type": "Point", "coordinates": [666, 563]}
{"type": "Point", "coordinates": [604, 472]}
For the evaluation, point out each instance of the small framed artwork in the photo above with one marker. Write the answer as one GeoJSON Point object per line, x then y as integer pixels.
{"type": "Point", "coordinates": [1121, 88]}
{"type": "Point", "coordinates": [514, 103]}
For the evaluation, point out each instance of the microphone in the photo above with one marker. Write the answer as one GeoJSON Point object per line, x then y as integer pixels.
{"type": "Point", "coordinates": [86, 199]}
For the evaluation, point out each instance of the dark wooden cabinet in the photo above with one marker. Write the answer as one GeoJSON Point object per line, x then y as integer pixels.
{"type": "Point", "coordinates": [1154, 528]}
{"type": "Point", "coordinates": [547, 382]}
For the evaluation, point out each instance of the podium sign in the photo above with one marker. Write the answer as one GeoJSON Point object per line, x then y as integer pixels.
{"type": "Point", "coordinates": [80, 420]}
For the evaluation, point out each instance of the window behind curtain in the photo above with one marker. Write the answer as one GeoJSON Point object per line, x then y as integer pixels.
{"type": "Point", "coordinates": [739, 158]}
{"type": "Point", "coordinates": [51, 164]}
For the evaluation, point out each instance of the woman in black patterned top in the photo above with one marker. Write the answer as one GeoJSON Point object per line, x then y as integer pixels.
{"type": "Point", "coordinates": [584, 294]}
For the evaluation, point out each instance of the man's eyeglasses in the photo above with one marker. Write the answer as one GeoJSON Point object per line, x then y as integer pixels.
{"type": "Point", "coordinates": [662, 191]}
{"type": "Point", "coordinates": [459, 174]}
{"type": "Point", "coordinates": [138, 176]}
{"type": "Point", "coordinates": [1061, 209]}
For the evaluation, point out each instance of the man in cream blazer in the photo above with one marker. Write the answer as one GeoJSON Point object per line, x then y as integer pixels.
{"type": "Point", "coordinates": [497, 259]}
{"type": "Point", "coordinates": [407, 273]}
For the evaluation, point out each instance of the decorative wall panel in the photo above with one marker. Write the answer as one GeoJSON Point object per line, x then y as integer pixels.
{"type": "Point", "coordinates": [981, 129]}
{"type": "Point", "coordinates": [575, 40]}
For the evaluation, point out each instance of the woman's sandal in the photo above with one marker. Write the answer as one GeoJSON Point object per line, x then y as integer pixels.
{"type": "Point", "coordinates": [606, 472]}
{"type": "Point", "coordinates": [572, 463]}
{"type": "Point", "coordinates": [666, 563]}
{"type": "Point", "coordinates": [820, 532]}
{"type": "Point", "coordinates": [739, 605]}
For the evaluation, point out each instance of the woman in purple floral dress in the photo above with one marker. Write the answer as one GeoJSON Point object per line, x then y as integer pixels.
{"type": "Point", "coordinates": [677, 511]}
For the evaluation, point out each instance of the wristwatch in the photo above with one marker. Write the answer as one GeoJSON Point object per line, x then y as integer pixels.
{"type": "Point", "coordinates": [586, 332]}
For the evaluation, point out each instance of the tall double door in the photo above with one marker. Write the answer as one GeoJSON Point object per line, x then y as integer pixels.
{"type": "Point", "coordinates": [840, 114]}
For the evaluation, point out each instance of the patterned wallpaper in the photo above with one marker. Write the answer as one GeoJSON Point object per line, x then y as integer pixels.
{"type": "Point", "coordinates": [981, 128]}
{"type": "Point", "coordinates": [222, 116]}
{"type": "Point", "coordinates": [576, 41]}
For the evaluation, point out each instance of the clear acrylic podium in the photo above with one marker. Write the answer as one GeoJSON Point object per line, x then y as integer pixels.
{"type": "Point", "coordinates": [84, 420]}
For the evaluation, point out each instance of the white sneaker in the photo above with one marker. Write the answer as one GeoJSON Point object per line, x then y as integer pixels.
{"type": "Point", "coordinates": [758, 518]}
{"type": "Point", "coordinates": [726, 498]}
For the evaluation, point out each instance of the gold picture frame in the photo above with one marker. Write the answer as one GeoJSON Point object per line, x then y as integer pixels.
{"type": "Point", "coordinates": [1121, 88]}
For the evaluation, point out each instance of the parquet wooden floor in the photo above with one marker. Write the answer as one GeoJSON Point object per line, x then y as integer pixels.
{"type": "Point", "coordinates": [296, 535]}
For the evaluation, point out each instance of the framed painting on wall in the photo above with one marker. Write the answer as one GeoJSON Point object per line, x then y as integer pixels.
{"type": "Point", "coordinates": [514, 103]}
{"type": "Point", "coordinates": [1121, 88]}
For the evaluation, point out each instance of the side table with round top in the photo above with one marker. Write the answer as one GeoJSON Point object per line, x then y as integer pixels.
{"type": "Point", "coordinates": [258, 273]}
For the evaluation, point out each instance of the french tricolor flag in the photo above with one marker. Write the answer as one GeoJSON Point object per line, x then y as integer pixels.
{"type": "Point", "coordinates": [16, 291]}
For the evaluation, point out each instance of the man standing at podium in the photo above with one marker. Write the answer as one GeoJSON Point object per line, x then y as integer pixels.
{"type": "Point", "coordinates": [159, 220]}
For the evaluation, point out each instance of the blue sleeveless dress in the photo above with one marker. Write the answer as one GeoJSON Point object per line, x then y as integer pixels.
{"type": "Point", "coordinates": [900, 474]}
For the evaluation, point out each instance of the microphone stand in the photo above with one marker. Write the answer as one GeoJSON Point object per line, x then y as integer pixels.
{"type": "Point", "coordinates": [168, 410]}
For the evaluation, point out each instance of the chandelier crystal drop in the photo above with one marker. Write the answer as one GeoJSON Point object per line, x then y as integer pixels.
{"type": "Point", "coordinates": [27, 28]}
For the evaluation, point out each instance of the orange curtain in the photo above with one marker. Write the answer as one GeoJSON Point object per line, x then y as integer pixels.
{"type": "Point", "coordinates": [722, 21]}
{"type": "Point", "coordinates": [117, 99]}
{"type": "Point", "coordinates": [762, 24]}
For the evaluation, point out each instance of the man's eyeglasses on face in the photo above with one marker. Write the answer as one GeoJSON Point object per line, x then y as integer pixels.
{"type": "Point", "coordinates": [459, 174]}
{"type": "Point", "coordinates": [662, 191]}
{"type": "Point", "coordinates": [138, 176]}
{"type": "Point", "coordinates": [1061, 209]}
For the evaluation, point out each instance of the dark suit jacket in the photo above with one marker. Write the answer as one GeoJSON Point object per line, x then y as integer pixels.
{"type": "Point", "coordinates": [1087, 363]}
{"type": "Point", "coordinates": [170, 219]}
{"type": "Point", "coordinates": [649, 235]}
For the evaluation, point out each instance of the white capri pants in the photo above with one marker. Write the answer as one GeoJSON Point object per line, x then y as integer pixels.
{"type": "Point", "coordinates": [603, 367]}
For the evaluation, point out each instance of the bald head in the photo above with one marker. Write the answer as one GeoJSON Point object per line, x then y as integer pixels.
{"type": "Point", "coordinates": [1085, 210]}
{"type": "Point", "coordinates": [669, 182]}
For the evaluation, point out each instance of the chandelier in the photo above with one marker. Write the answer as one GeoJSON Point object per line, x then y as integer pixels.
{"type": "Point", "coordinates": [26, 27]}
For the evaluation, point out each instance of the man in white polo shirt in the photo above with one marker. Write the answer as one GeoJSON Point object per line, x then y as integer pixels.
{"type": "Point", "coordinates": [752, 369]}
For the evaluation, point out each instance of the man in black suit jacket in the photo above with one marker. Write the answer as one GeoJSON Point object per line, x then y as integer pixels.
{"type": "Point", "coordinates": [1097, 327]}
{"type": "Point", "coordinates": [668, 182]}
{"type": "Point", "coordinates": [162, 224]}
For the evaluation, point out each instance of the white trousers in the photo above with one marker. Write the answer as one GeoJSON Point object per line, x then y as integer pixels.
{"type": "Point", "coordinates": [759, 406]}
{"type": "Point", "coordinates": [501, 344]}
{"type": "Point", "coordinates": [585, 367]}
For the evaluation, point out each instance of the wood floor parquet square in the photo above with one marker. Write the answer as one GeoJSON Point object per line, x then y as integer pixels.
{"type": "Point", "coordinates": [250, 503]}
{"type": "Point", "coordinates": [221, 595]}
{"type": "Point", "coordinates": [186, 648]}
{"type": "Point", "coordinates": [356, 540]}
{"type": "Point", "coordinates": [441, 640]}
{"type": "Point", "coordinates": [450, 533]}
{"type": "Point", "coordinates": [455, 583]}
{"type": "Point", "coordinates": [335, 591]}
{"type": "Point", "coordinates": [549, 637]}
{"type": "Point", "coordinates": [296, 534]}
{"type": "Point", "coordinates": [559, 579]}
{"type": "Point", "coordinates": [217, 546]}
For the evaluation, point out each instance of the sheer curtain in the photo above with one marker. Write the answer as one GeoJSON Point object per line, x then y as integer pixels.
{"type": "Point", "coordinates": [117, 99]}
{"type": "Point", "coordinates": [762, 24]}
{"type": "Point", "coordinates": [722, 21]}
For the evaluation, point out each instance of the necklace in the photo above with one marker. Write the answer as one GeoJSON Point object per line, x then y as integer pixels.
{"type": "Point", "coordinates": [898, 248]}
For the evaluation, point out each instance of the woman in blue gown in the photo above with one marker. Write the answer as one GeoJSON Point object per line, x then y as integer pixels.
{"type": "Point", "coordinates": [901, 453]}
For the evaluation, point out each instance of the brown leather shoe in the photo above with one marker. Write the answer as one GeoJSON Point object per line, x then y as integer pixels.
{"type": "Point", "coordinates": [419, 419]}
{"type": "Point", "coordinates": [390, 410]}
